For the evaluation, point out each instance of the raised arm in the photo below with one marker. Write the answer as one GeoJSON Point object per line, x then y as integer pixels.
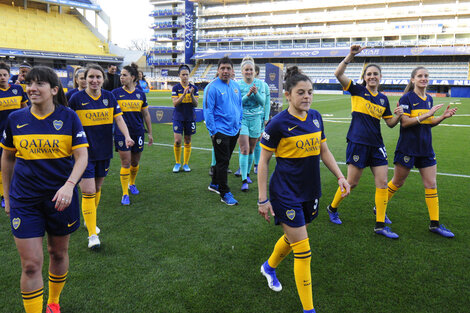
{"type": "Point", "coordinates": [339, 72]}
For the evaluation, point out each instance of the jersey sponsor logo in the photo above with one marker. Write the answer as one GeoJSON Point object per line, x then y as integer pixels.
{"type": "Point", "coordinates": [367, 95]}
{"type": "Point", "coordinates": [291, 128]}
{"type": "Point", "coordinates": [290, 214]}
{"type": "Point", "coordinates": [415, 104]}
{"type": "Point", "coordinates": [316, 123]}
{"type": "Point", "coordinates": [21, 126]}
{"type": "Point", "coordinates": [301, 146]}
{"type": "Point", "coordinates": [415, 113]}
{"type": "Point", "coordinates": [10, 103]}
{"type": "Point", "coordinates": [130, 105]}
{"type": "Point", "coordinates": [43, 146]}
{"type": "Point", "coordinates": [15, 92]}
{"type": "Point", "coordinates": [406, 159]}
{"type": "Point", "coordinates": [266, 136]}
{"type": "Point", "coordinates": [16, 222]}
{"type": "Point", "coordinates": [364, 106]}
{"type": "Point", "coordinates": [120, 96]}
{"type": "Point", "coordinates": [96, 116]}
{"type": "Point", "coordinates": [58, 124]}
{"type": "Point", "coordinates": [355, 158]}
{"type": "Point", "coordinates": [85, 103]}
{"type": "Point", "coordinates": [71, 224]}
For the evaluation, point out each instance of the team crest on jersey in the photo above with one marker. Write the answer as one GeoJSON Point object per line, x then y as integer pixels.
{"type": "Point", "coordinates": [159, 115]}
{"type": "Point", "coordinates": [175, 128]}
{"type": "Point", "coordinates": [406, 159]}
{"type": "Point", "coordinates": [290, 214]}
{"type": "Point", "coordinates": [355, 158]}
{"type": "Point", "coordinates": [138, 96]}
{"type": "Point", "coordinates": [382, 101]}
{"type": "Point", "coordinates": [316, 122]}
{"type": "Point", "coordinates": [105, 102]}
{"type": "Point", "coordinates": [235, 90]}
{"type": "Point", "coordinates": [15, 92]}
{"type": "Point", "coordinates": [57, 124]}
{"type": "Point", "coordinates": [16, 222]}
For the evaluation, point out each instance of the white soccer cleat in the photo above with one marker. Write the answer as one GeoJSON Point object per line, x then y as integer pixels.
{"type": "Point", "coordinates": [94, 242]}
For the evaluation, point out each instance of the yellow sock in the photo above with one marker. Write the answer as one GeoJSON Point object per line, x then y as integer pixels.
{"type": "Point", "coordinates": [97, 198]}
{"type": "Point", "coordinates": [187, 153]}
{"type": "Point", "coordinates": [381, 200]}
{"type": "Point", "coordinates": [432, 201]}
{"type": "Point", "coordinates": [32, 300]}
{"type": "Point", "coordinates": [125, 172]}
{"type": "Point", "coordinates": [303, 276]}
{"type": "Point", "coordinates": [281, 250]}
{"type": "Point", "coordinates": [177, 151]}
{"type": "Point", "coordinates": [337, 199]}
{"type": "Point", "coordinates": [1, 185]}
{"type": "Point", "coordinates": [134, 171]}
{"type": "Point", "coordinates": [89, 212]}
{"type": "Point", "coordinates": [391, 190]}
{"type": "Point", "coordinates": [56, 284]}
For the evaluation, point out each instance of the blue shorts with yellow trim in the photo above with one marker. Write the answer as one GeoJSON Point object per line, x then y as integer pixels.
{"type": "Point", "coordinates": [96, 169]}
{"type": "Point", "coordinates": [294, 214]}
{"type": "Point", "coordinates": [251, 126]}
{"type": "Point", "coordinates": [186, 127]}
{"type": "Point", "coordinates": [363, 156]}
{"type": "Point", "coordinates": [120, 142]}
{"type": "Point", "coordinates": [33, 219]}
{"type": "Point", "coordinates": [410, 161]}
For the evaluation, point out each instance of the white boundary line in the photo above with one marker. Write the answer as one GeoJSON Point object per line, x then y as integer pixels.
{"type": "Point", "coordinates": [341, 163]}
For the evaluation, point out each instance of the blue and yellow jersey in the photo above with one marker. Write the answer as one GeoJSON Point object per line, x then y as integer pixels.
{"type": "Point", "coordinates": [43, 147]}
{"type": "Point", "coordinates": [70, 93]}
{"type": "Point", "coordinates": [185, 110]}
{"type": "Point", "coordinates": [416, 140]}
{"type": "Point", "coordinates": [11, 100]}
{"type": "Point", "coordinates": [97, 117]}
{"type": "Point", "coordinates": [13, 80]}
{"type": "Point", "coordinates": [253, 105]}
{"type": "Point", "coordinates": [367, 110]}
{"type": "Point", "coordinates": [131, 104]}
{"type": "Point", "coordinates": [296, 143]}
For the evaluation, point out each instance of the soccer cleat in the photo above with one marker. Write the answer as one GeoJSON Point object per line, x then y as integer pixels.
{"type": "Point", "coordinates": [387, 232]}
{"type": "Point", "coordinates": [238, 173]}
{"type": "Point", "coordinates": [245, 187]}
{"type": "Point", "coordinates": [229, 171]}
{"type": "Point", "coordinates": [94, 242]}
{"type": "Point", "coordinates": [176, 168]}
{"type": "Point", "coordinates": [441, 230]}
{"type": "Point", "coordinates": [248, 180]}
{"type": "Point", "coordinates": [3, 202]}
{"type": "Point", "coordinates": [211, 171]}
{"type": "Point", "coordinates": [334, 216]}
{"type": "Point", "coordinates": [229, 199]}
{"type": "Point", "coordinates": [53, 308]}
{"type": "Point", "coordinates": [309, 311]}
{"type": "Point", "coordinates": [133, 189]}
{"type": "Point", "coordinates": [255, 169]}
{"type": "Point", "coordinates": [387, 220]}
{"type": "Point", "coordinates": [186, 168]}
{"type": "Point", "coordinates": [125, 200]}
{"type": "Point", "coordinates": [270, 274]}
{"type": "Point", "coordinates": [214, 188]}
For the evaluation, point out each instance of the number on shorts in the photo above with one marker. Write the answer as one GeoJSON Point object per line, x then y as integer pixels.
{"type": "Point", "coordinates": [384, 152]}
{"type": "Point", "coordinates": [315, 205]}
{"type": "Point", "coordinates": [141, 142]}
{"type": "Point", "coordinates": [193, 126]}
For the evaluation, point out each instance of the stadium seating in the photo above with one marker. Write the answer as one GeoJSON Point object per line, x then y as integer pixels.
{"type": "Point", "coordinates": [34, 29]}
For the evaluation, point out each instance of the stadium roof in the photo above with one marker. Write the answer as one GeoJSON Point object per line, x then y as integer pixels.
{"type": "Point", "coordinates": [84, 4]}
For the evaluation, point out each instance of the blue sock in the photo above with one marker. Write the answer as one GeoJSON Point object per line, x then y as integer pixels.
{"type": "Point", "coordinates": [213, 158]}
{"type": "Point", "coordinates": [243, 165]}
{"type": "Point", "coordinates": [257, 153]}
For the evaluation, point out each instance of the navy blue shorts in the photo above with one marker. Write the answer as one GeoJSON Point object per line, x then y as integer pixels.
{"type": "Point", "coordinates": [188, 127]}
{"type": "Point", "coordinates": [120, 142]}
{"type": "Point", "coordinates": [294, 214]}
{"type": "Point", "coordinates": [363, 156]}
{"type": "Point", "coordinates": [410, 161]}
{"type": "Point", "coordinates": [30, 220]}
{"type": "Point", "coordinates": [96, 169]}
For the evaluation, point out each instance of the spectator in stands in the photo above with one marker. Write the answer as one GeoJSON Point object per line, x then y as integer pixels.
{"type": "Point", "coordinates": [79, 83]}
{"type": "Point", "coordinates": [365, 143]}
{"type": "Point", "coordinates": [142, 83]}
{"type": "Point", "coordinates": [414, 147]}
{"type": "Point", "coordinates": [19, 79]}
{"type": "Point", "coordinates": [223, 115]}
{"type": "Point", "coordinates": [112, 79]}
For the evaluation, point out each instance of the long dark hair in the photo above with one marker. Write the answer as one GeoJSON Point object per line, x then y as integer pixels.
{"type": "Point", "coordinates": [47, 74]}
{"type": "Point", "coordinates": [293, 76]}
{"type": "Point", "coordinates": [133, 70]}
{"type": "Point", "coordinates": [410, 85]}
{"type": "Point", "coordinates": [365, 70]}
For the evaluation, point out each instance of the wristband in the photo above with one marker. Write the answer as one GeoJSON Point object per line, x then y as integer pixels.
{"type": "Point", "coordinates": [263, 202]}
{"type": "Point", "coordinates": [69, 181]}
{"type": "Point", "coordinates": [340, 177]}
{"type": "Point", "coordinates": [417, 118]}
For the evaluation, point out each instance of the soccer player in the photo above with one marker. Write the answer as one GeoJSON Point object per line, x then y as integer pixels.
{"type": "Point", "coordinates": [12, 98]}
{"type": "Point", "coordinates": [134, 107]}
{"type": "Point", "coordinates": [365, 143]}
{"type": "Point", "coordinates": [264, 121]}
{"type": "Point", "coordinates": [79, 83]}
{"type": "Point", "coordinates": [414, 147]}
{"type": "Point", "coordinates": [297, 137]}
{"type": "Point", "coordinates": [253, 101]}
{"type": "Point", "coordinates": [40, 184]}
{"type": "Point", "coordinates": [19, 79]}
{"type": "Point", "coordinates": [223, 115]}
{"type": "Point", "coordinates": [185, 98]}
{"type": "Point", "coordinates": [97, 109]}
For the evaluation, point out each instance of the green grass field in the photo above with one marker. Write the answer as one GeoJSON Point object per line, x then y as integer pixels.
{"type": "Point", "coordinates": [178, 249]}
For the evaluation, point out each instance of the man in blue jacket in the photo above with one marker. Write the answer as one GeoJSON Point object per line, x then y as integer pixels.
{"type": "Point", "coordinates": [223, 115]}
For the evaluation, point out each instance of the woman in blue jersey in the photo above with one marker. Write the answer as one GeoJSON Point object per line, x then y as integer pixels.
{"type": "Point", "coordinates": [185, 98]}
{"type": "Point", "coordinates": [253, 101]}
{"type": "Point", "coordinates": [79, 83]}
{"type": "Point", "coordinates": [98, 110]}
{"type": "Point", "coordinates": [297, 137]}
{"type": "Point", "coordinates": [12, 98]}
{"type": "Point", "coordinates": [40, 184]}
{"type": "Point", "coordinates": [365, 144]}
{"type": "Point", "coordinates": [414, 147]}
{"type": "Point", "coordinates": [142, 83]}
{"type": "Point", "coordinates": [134, 107]}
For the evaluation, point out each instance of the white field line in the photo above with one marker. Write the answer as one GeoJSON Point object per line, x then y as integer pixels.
{"type": "Point", "coordinates": [340, 163]}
